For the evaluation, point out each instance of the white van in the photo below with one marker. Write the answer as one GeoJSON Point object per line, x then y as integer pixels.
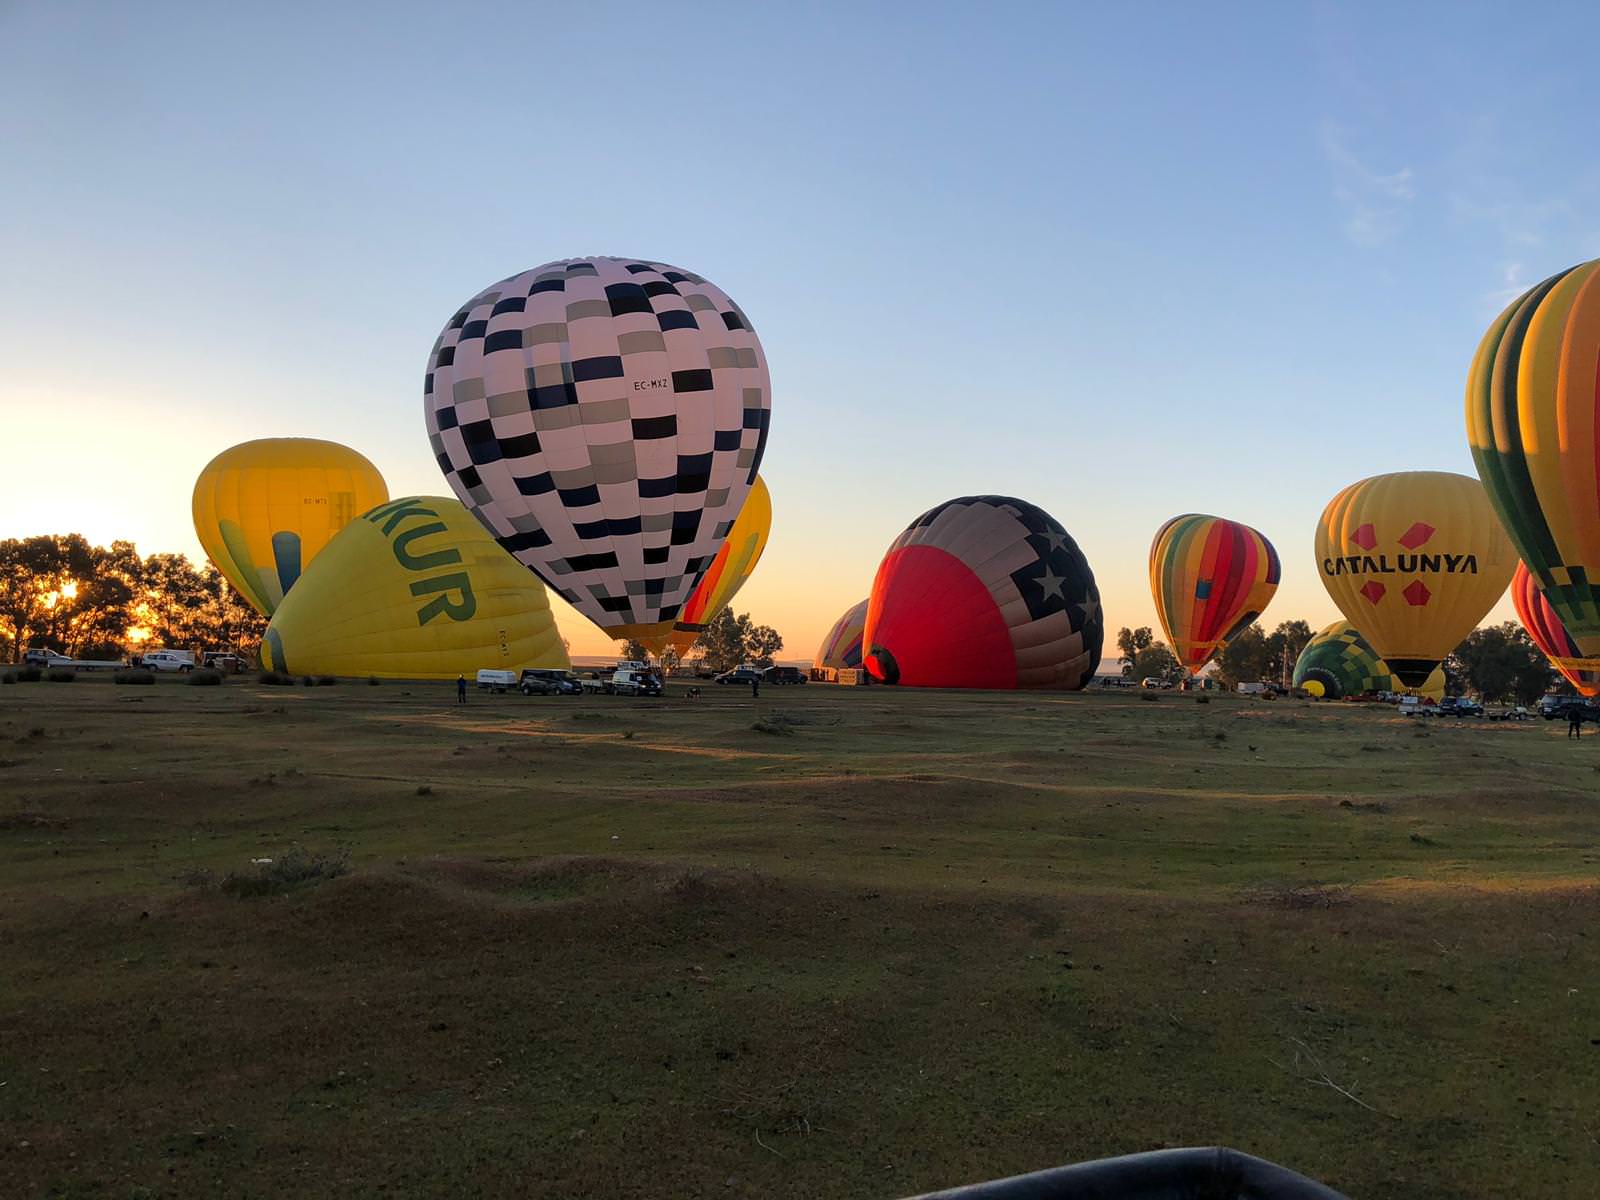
{"type": "Point", "coordinates": [167, 660]}
{"type": "Point", "coordinates": [497, 680]}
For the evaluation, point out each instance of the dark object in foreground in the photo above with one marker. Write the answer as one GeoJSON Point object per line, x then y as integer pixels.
{"type": "Point", "coordinates": [1212, 1173]}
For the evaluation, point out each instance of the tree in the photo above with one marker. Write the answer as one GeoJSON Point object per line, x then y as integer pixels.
{"type": "Point", "coordinates": [1156, 661]}
{"type": "Point", "coordinates": [1130, 642]}
{"type": "Point", "coordinates": [724, 641]}
{"type": "Point", "coordinates": [634, 650]}
{"type": "Point", "coordinates": [1501, 661]}
{"type": "Point", "coordinates": [1283, 650]}
{"type": "Point", "coordinates": [762, 643]}
{"type": "Point", "coordinates": [1246, 658]}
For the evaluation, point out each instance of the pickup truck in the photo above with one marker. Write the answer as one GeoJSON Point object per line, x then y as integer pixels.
{"type": "Point", "coordinates": [49, 658]}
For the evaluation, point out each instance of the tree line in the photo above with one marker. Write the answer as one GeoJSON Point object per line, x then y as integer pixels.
{"type": "Point", "coordinates": [729, 639]}
{"type": "Point", "coordinates": [59, 592]}
{"type": "Point", "coordinates": [1498, 662]}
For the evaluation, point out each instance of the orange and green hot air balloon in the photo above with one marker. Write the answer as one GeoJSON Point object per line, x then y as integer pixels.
{"type": "Point", "coordinates": [1210, 578]}
{"type": "Point", "coordinates": [734, 564]}
{"type": "Point", "coordinates": [1533, 420]}
{"type": "Point", "coordinates": [1414, 560]}
{"type": "Point", "coordinates": [1550, 635]}
{"type": "Point", "coordinates": [264, 509]}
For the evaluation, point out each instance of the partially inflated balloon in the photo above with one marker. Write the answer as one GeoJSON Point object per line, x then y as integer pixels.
{"type": "Point", "coordinates": [734, 564]}
{"type": "Point", "coordinates": [604, 419]}
{"type": "Point", "coordinates": [1414, 560]}
{"type": "Point", "coordinates": [984, 592]}
{"type": "Point", "coordinates": [1533, 419]}
{"type": "Point", "coordinates": [1544, 626]}
{"type": "Point", "coordinates": [1339, 663]}
{"type": "Point", "coordinates": [1210, 578]}
{"type": "Point", "coordinates": [415, 589]}
{"type": "Point", "coordinates": [263, 510]}
{"type": "Point", "coordinates": [841, 649]}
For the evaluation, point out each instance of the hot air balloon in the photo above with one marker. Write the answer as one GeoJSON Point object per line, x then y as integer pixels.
{"type": "Point", "coordinates": [264, 509]}
{"type": "Point", "coordinates": [841, 649]}
{"type": "Point", "coordinates": [1210, 578]}
{"type": "Point", "coordinates": [1414, 560]}
{"type": "Point", "coordinates": [1533, 420]}
{"type": "Point", "coordinates": [414, 589]}
{"type": "Point", "coordinates": [604, 419]}
{"type": "Point", "coordinates": [1339, 663]}
{"type": "Point", "coordinates": [984, 592]}
{"type": "Point", "coordinates": [1544, 626]}
{"type": "Point", "coordinates": [734, 564]}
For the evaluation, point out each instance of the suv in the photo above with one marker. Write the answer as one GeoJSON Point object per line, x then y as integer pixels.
{"type": "Point", "coordinates": [228, 664]}
{"type": "Point", "coordinates": [630, 681]}
{"type": "Point", "coordinates": [739, 675]}
{"type": "Point", "coordinates": [779, 676]}
{"type": "Point", "coordinates": [544, 681]}
{"type": "Point", "coordinates": [181, 661]}
{"type": "Point", "coordinates": [1468, 708]}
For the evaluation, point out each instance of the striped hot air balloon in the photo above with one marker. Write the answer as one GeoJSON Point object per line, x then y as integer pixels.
{"type": "Point", "coordinates": [1210, 578]}
{"type": "Point", "coordinates": [1544, 626]}
{"type": "Point", "coordinates": [841, 649]}
{"type": "Point", "coordinates": [734, 564]}
{"type": "Point", "coordinates": [984, 592]}
{"type": "Point", "coordinates": [1533, 420]}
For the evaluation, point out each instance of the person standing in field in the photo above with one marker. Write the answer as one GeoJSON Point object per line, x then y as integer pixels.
{"type": "Point", "coordinates": [755, 686]}
{"type": "Point", "coordinates": [1574, 721]}
{"type": "Point", "coordinates": [461, 689]}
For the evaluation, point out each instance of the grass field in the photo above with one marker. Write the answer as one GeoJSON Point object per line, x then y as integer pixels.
{"type": "Point", "coordinates": [889, 942]}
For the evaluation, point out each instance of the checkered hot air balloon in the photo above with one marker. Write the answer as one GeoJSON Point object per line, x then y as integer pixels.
{"type": "Point", "coordinates": [1544, 626]}
{"type": "Point", "coordinates": [1533, 421]}
{"type": "Point", "coordinates": [1413, 560]}
{"type": "Point", "coordinates": [841, 649]}
{"type": "Point", "coordinates": [984, 592]}
{"type": "Point", "coordinates": [604, 419]}
{"type": "Point", "coordinates": [1210, 578]}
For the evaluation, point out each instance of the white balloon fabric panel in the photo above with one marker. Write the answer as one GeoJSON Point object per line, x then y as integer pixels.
{"type": "Point", "coordinates": [604, 418]}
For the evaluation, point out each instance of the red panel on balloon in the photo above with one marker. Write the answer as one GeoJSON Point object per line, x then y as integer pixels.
{"type": "Point", "coordinates": [938, 624]}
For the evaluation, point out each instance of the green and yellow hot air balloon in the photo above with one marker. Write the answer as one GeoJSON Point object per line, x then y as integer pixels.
{"type": "Point", "coordinates": [1338, 662]}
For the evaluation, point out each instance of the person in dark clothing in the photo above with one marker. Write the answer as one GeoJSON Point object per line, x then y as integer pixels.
{"type": "Point", "coordinates": [461, 689]}
{"type": "Point", "coordinates": [1574, 721]}
{"type": "Point", "coordinates": [755, 686]}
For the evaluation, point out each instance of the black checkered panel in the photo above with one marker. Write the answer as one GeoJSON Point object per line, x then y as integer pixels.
{"type": "Point", "coordinates": [604, 418]}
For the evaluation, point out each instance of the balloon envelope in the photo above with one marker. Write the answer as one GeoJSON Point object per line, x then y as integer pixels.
{"type": "Point", "coordinates": [1544, 626]}
{"type": "Point", "coordinates": [984, 592]}
{"type": "Point", "coordinates": [604, 419]}
{"type": "Point", "coordinates": [264, 509]}
{"type": "Point", "coordinates": [1414, 560]}
{"type": "Point", "coordinates": [1210, 578]}
{"type": "Point", "coordinates": [1338, 662]}
{"type": "Point", "coordinates": [415, 589]}
{"type": "Point", "coordinates": [734, 564]}
{"type": "Point", "coordinates": [841, 649]}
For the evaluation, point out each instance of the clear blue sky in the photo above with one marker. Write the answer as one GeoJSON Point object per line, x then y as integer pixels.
{"type": "Point", "coordinates": [1123, 261]}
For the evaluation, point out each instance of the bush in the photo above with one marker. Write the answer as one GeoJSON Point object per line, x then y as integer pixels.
{"type": "Point", "coordinates": [29, 675]}
{"type": "Point", "coordinates": [8, 677]}
{"type": "Point", "coordinates": [275, 679]}
{"type": "Point", "coordinates": [326, 680]}
{"type": "Point", "coordinates": [205, 677]}
{"type": "Point", "coordinates": [284, 874]}
{"type": "Point", "coordinates": [134, 675]}
{"type": "Point", "coordinates": [1150, 696]}
{"type": "Point", "coordinates": [309, 682]}
{"type": "Point", "coordinates": [60, 675]}
{"type": "Point", "coordinates": [372, 681]}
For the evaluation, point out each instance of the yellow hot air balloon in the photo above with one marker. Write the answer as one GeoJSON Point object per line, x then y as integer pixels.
{"type": "Point", "coordinates": [414, 589]}
{"type": "Point", "coordinates": [263, 510]}
{"type": "Point", "coordinates": [1414, 560]}
{"type": "Point", "coordinates": [734, 564]}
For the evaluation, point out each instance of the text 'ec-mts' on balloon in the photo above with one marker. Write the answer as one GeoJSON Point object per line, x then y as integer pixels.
{"type": "Point", "coordinates": [1414, 560]}
{"type": "Point", "coordinates": [1210, 578]}
{"type": "Point", "coordinates": [984, 592]}
{"type": "Point", "coordinates": [264, 509]}
{"type": "Point", "coordinates": [414, 589]}
{"type": "Point", "coordinates": [604, 418]}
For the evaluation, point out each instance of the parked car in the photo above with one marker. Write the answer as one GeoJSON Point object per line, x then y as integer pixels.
{"type": "Point", "coordinates": [228, 664]}
{"type": "Point", "coordinates": [1468, 708]}
{"type": "Point", "coordinates": [782, 676]}
{"type": "Point", "coordinates": [1509, 714]}
{"type": "Point", "coordinates": [495, 680]}
{"type": "Point", "coordinates": [544, 681]}
{"type": "Point", "coordinates": [1552, 707]}
{"type": "Point", "coordinates": [181, 661]}
{"type": "Point", "coordinates": [739, 675]}
{"type": "Point", "coordinates": [630, 681]}
{"type": "Point", "coordinates": [45, 658]}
